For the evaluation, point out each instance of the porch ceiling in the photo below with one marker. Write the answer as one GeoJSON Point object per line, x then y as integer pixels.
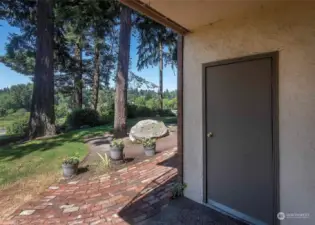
{"type": "Point", "coordinates": [192, 14]}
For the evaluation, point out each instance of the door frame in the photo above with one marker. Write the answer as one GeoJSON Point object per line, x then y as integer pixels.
{"type": "Point", "coordinates": [274, 56]}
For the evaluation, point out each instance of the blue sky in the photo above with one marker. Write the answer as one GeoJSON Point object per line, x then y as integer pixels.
{"type": "Point", "coordinates": [9, 77]}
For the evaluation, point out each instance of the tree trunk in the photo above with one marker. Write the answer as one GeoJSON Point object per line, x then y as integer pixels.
{"type": "Point", "coordinates": [161, 76]}
{"type": "Point", "coordinates": [96, 77]}
{"type": "Point", "coordinates": [78, 83]}
{"type": "Point", "coordinates": [122, 73]}
{"type": "Point", "coordinates": [42, 119]}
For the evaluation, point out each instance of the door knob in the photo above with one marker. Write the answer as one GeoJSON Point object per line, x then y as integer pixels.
{"type": "Point", "coordinates": [210, 134]}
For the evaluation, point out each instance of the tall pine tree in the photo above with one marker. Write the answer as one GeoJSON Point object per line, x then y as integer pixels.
{"type": "Point", "coordinates": [156, 47]}
{"type": "Point", "coordinates": [120, 125]}
{"type": "Point", "coordinates": [42, 120]}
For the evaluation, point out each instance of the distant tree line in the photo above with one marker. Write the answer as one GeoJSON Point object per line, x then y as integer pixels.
{"type": "Point", "coordinates": [18, 98]}
{"type": "Point", "coordinates": [15, 98]}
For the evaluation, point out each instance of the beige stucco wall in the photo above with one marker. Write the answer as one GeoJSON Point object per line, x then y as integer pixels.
{"type": "Point", "coordinates": [289, 29]}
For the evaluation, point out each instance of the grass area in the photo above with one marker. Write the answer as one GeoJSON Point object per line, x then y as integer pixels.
{"type": "Point", "coordinates": [41, 156]}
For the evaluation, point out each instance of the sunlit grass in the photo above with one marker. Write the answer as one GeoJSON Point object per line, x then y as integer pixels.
{"type": "Point", "coordinates": [41, 156]}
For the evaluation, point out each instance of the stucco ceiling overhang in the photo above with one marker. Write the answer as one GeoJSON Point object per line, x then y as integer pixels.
{"type": "Point", "coordinates": [188, 15]}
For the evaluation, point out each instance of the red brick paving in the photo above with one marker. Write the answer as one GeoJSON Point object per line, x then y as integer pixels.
{"type": "Point", "coordinates": [127, 196]}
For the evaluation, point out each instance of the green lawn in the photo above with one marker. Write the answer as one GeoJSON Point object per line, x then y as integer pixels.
{"type": "Point", "coordinates": [43, 156]}
{"type": "Point", "coordinates": [39, 156]}
{"type": "Point", "coordinates": [6, 121]}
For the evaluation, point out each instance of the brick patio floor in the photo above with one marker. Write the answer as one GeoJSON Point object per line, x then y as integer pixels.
{"type": "Point", "coordinates": [127, 196]}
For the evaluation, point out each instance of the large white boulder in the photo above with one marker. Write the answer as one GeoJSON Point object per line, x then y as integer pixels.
{"type": "Point", "coordinates": [148, 129]}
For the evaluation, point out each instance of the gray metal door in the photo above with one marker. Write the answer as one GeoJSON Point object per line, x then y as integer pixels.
{"type": "Point", "coordinates": [239, 139]}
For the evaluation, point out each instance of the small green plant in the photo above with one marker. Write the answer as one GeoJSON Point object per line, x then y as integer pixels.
{"type": "Point", "coordinates": [105, 161]}
{"type": "Point", "coordinates": [19, 127]}
{"type": "Point", "coordinates": [118, 143]}
{"type": "Point", "coordinates": [149, 143]}
{"type": "Point", "coordinates": [178, 190]}
{"type": "Point", "coordinates": [71, 160]}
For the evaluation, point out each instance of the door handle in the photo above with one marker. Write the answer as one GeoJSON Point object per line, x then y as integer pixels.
{"type": "Point", "coordinates": [210, 135]}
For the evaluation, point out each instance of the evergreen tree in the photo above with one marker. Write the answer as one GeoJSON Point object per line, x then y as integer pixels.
{"type": "Point", "coordinates": [79, 25]}
{"type": "Point", "coordinates": [77, 22]}
{"type": "Point", "coordinates": [42, 120]}
{"type": "Point", "coordinates": [120, 125]}
{"type": "Point", "coordinates": [103, 21]}
{"type": "Point", "coordinates": [156, 47]}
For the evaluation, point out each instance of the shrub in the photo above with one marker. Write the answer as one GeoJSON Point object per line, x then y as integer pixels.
{"type": "Point", "coordinates": [19, 127]}
{"type": "Point", "coordinates": [146, 112]}
{"type": "Point", "coordinates": [140, 101]}
{"type": "Point", "coordinates": [10, 111]}
{"type": "Point", "coordinates": [106, 119]}
{"type": "Point", "coordinates": [170, 103]}
{"type": "Point", "coordinates": [3, 112]}
{"type": "Point", "coordinates": [165, 112]}
{"type": "Point", "coordinates": [83, 117]}
{"type": "Point", "coordinates": [61, 128]}
{"type": "Point", "coordinates": [132, 111]}
{"type": "Point", "coordinates": [61, 111]}
{"type": "Point", "coordinates": [106, 113]}
{"type": "Point", "coordinates": [20, 112]}
{"type": "Point", "coordinates": [152, 103]}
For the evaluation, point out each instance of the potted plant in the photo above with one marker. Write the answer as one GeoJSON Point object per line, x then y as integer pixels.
{"type": "Point", "coordinates": [70, 166]}
{"type": "Point", "coordinates": [149, 146]}
{"type": "Point", "coordinates": [116, 149]}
